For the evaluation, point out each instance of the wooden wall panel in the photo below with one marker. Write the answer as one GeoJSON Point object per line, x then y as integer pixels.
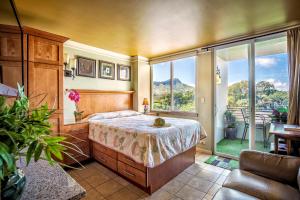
{"type": "Point", "coordinates": [55, 124]}
{"type": "Point", "coordinates": [94, 101]}
{"type": "Point", "coordinates": [10, 56]}
{"type": "Point", "coordinates": [45, 81]}
{"type": "Point", "coordinates": [45, 51]}
{"type": "Point", "coordinates": [45, 72]}
{"type": "Point", "coordinates": [43, 66]}
{"type": "Point", "coordinates": [11, 73]}
{"type": "Point", "coordinates": [10, 46]}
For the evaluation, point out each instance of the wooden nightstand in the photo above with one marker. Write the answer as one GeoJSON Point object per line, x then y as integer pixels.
{"type": "Point", "coordinates": [77, 134]}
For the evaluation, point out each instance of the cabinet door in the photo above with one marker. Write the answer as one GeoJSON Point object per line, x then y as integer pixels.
{"type": "Point", "coordinates": [10, 47]}
{"type": "Point", "coordinates": [56, 122]}
{"type": "Point", "coordinates": [45, 84]}
{"type": "Point", "coordinates": [11, 73]}
{"type": "Point", "coordinates": [45, 51]}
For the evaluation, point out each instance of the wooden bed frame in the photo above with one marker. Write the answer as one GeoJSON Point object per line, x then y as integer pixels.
{"type": "Point", "coordinates": [149, 179]}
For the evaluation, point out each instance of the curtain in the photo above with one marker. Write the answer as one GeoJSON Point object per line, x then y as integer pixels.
{"type": "Point", "coordinates": [293, 45]}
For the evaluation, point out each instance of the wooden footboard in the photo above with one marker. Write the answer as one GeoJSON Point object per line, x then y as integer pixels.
{"type": "Point", "coordinates": [161, 174]}
{"type": "Point", "coordinates": [149, 179]}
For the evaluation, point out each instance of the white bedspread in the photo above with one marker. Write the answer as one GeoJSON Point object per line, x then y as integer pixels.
{"type": "Point", "coordinates": [135, 137]}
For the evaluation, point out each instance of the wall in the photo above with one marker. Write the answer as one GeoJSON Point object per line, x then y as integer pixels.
{"type": "Point", "coordinates": [141, 81]}
{"type": "Point", "coordinates": [221, 99]}
{"type": "Point", "coordinates": [205, 96]}
{"type": "Point", "coordinates": [73, 49]}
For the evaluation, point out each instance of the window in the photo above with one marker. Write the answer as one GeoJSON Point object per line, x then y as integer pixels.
{"type": "Point", "coordinates": [173, 85]}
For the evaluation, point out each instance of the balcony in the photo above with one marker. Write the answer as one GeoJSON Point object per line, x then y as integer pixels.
{"type": "Point", "coordinates": [234, 145]}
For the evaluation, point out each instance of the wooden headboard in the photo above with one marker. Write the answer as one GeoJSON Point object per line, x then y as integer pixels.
{"type": "Point", "coordinates": [94, 101]}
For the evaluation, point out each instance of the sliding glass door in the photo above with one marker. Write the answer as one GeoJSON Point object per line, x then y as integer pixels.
{"type": "Point", "coordinates": [232, 99]}
{"type": "Point", "coordinates": [271, 81]}
{"type": "Point", "coordinates": [250, 84]}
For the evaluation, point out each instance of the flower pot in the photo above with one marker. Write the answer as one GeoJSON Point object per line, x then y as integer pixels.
{"type": "Point", "coordinates": [12, 187]}
{"type": "Point", "coordinates": [230, 133]}
{"type": "Point", "coordinates": [78, 116]}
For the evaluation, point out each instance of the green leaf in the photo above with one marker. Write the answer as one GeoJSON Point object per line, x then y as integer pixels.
{"type": "Point", "coordinates": [30, 151]}
{"type": "Point", "coordinates": [48, 156]}
{"type": "Point", "coordinates": [1, 173]}
{"type": "Point", "coordinates": [2, 103]}
{"type": "Point", "coordinates": [55, 139]}
{"type": "Point", "coordinates": [7, 157]}
{"type": "Point", "coordinates": [56, 152]}
{"type": "Point", "coordinates": [38, 152]}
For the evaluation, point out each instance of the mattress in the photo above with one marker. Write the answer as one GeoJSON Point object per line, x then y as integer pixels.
{"type": "Point", "coordinates": [136, 137]}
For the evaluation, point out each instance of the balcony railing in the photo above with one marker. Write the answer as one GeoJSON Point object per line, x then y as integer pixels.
{"type": "Point", "coordinates": [260, 113]}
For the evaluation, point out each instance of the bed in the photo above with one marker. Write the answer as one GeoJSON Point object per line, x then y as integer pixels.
{"type": "Point", "coordinates": [128, 143]}
{"type": "Point", "coordinates": [135, 147]}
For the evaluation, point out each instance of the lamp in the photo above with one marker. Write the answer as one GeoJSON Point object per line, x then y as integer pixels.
{"type": "Point", "coordinates": [145, 104]}
{"type": "Point", "coordinates": [218, 76]}
{"type": "Point", "coordinates": [70, 66]}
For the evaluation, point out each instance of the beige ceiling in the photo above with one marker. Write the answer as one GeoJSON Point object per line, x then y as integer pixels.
{"type": "Point", "coordinates": [155, 27]}
{"type": "Point", "coordinates": [7, 14]}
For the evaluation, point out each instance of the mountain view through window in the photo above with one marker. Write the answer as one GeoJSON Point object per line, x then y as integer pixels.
{"type": "Point", "coordinates": [173, 86]}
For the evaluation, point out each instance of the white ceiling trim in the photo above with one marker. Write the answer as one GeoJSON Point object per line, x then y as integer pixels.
{"type": "Point", "coordinates": [140, 59]}
{"type": "Point", "coordinates": [102, 52]}
{"type": "Point", "coordinates": [175, 56]}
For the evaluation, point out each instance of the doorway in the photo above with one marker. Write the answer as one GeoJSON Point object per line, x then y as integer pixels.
{"type": "Point", "coordinates": [251, 85]}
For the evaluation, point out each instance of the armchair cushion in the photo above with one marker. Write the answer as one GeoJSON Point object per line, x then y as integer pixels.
{"type": "Point", "coordinates": [259, 187]}
{"type": "Point", "coordinates": [277, 167]}
{"type": "Point", "coordinates": [227, 193]}
{"type": "Point", "coordinates": [298, 178]}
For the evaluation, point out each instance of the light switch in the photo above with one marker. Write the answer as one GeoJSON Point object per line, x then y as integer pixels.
{"type": "Point", "coordinates": [202, 100]}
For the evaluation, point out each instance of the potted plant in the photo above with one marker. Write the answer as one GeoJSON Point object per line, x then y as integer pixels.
{"type": "Point", "coordinates": [230, 123]}
{"type": "Point", "coordinates": [25, 134]}
{"type": "Point", "coordinates": [74, 96]}
{"type": "Point", "coordinates": [279, 115]}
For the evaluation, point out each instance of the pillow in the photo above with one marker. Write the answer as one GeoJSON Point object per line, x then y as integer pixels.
{"type": "Point", "coordinates": [128, 113]}
{"type": "Point", "coordinates": [105, 115]}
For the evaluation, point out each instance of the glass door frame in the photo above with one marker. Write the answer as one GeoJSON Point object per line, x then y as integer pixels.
{"type": "Point", "coordinates": [251, 87]}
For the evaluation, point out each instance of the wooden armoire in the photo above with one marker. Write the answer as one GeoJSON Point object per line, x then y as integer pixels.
{"type": "Point", "coordinates": [43, 66]}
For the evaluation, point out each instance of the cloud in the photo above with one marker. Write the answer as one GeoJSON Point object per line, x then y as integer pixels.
{"type": "Point", "coordinates": [278, 84]}
{"type": "Point", "coordinates": [265, 62]}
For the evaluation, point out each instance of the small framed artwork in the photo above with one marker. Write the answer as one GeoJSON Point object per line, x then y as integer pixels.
{"type": "Point", "coordinates": [106, 70]}
{"type": "Point", "coordinates": [86, 67]}
{"type": "Point", "coordinates": [124, 72]}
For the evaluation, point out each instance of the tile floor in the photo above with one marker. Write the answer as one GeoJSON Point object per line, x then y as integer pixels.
{"type": "Point", "coordinates": [199, 181]}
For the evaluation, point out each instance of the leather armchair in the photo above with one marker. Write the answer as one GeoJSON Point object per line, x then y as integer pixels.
{"type": "Point", "coordinates": [263, 176]}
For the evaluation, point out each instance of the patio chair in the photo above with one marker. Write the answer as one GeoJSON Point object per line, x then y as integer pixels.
{"type": "Point", "coordinates": [259, 124]}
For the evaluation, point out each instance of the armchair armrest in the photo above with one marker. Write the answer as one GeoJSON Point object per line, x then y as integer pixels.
{"type": "Point", "coordinates": [277, 167]}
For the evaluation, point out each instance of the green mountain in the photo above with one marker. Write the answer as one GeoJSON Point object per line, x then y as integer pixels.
{"type": "Point", "coordinates": [160, 87]}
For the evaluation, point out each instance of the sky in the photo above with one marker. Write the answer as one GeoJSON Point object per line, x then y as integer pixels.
{"type": "Point", "coordinates": [184, 70]}
{"type": "Point", "coordinates": [272, 68]}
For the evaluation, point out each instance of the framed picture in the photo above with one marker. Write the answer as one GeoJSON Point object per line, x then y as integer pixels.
{"type": "Point", "coordinates": [86, 67]}
{"type": "Point", "coordinates": [106, 70]}
{"type": "Point", "coordinates": [124, 72]}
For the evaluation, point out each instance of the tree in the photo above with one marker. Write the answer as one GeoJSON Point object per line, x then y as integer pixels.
{"type": "Point", "coordinates": [238, 94]}
{"type": "Point", "coordinates": [265, 87]}
{"type": "Point", "coordinates": [267, 96]}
